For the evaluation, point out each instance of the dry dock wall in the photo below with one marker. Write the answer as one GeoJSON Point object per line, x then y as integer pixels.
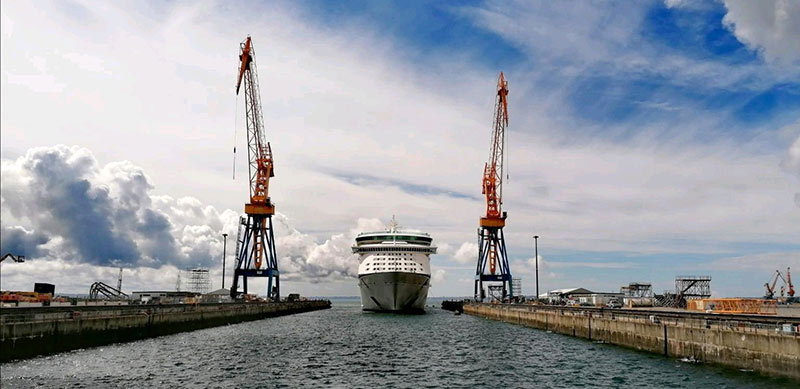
{"type": "Point", "coordinates": [28, 332]}
{"type": "Point", "coordinates": [756, 346]}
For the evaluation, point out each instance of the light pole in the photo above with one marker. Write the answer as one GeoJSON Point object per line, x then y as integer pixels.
{"type": "Point", "coordinates": [536, 248]}
{"type": "Point", "coordinates": [224, 248]}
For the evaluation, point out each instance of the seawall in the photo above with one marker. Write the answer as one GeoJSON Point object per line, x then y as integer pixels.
{"type": "Point", "coordinates": [739, 341]}
{"type": "Point", "coordinates": [28, 332]}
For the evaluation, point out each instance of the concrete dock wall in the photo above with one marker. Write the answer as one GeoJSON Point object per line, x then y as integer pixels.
{"type": "Point", "coordinates": [755, 346]}
{"type": "Point", "coordinates": [28, 332]}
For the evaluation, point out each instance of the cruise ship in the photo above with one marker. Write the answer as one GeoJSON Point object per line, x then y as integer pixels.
{"type": "Point", "coordinates": [394, 271]}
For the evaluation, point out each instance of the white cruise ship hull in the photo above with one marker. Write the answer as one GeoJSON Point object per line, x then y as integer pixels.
{"type": "Point", "coordinates": [394, 291]}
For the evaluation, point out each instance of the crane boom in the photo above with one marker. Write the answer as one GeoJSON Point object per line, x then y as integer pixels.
{"type": "Point", "coordinates": [259, 153]}
{"type": "Point", "coordinates": [493, 170]}
{"type": "Point", "coordinates": [771, 288]}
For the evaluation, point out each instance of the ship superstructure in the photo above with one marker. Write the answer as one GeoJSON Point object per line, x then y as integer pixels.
{"type": "Point", "coordinates": [394, 269]}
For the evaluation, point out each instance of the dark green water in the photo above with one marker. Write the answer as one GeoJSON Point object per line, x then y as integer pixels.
{"type": "Point", "coordinates": [343, 347]}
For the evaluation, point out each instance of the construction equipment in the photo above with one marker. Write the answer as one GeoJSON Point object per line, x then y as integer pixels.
{"type": "Point", "coordinates": [15, 258]}
{"type": "Point", "coordinates": [491, 242]}
{"type": "Point", "coordinates": [789, 281]}
{"type": "Point", "coordinates": [771, 288]}
{"type": "Point", "coordinates": [107, 291]}
{"type": "Point", "coordinates": [256, 257]}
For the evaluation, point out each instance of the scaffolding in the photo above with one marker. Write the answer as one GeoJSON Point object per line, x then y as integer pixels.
{"type": "Point", "coordinates": [687, 288]}
{"type": "Point", "coordinates": [693, 287]}
{"type": "Point", "coordinates": [637, 289]}
{"type": "Point", "coordinates": [516, 286]}
{"type": "Point", "coordinates": [199, 280]}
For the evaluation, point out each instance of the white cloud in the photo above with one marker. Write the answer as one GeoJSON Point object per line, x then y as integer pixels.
{"type": "Point", "coordinates": [765, 261]}
{"type": "Point", "coordinates": [770, 27]}
{"type": "Point", "coordinates": [791, 164]}
{"type": "Point", "coordinates": [346, 100]}
{"type": "Point", "coordinates": [64, 207]}
{"type": "Point", "coordinates": [594, 265]}
{"type": "Point", "coordinates": [466, 253]}
{"type": "Point", "coordinates": [437, 276]}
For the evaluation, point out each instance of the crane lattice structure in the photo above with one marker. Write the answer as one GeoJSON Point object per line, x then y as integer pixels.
{"type": "Point", "coordinates": [256, 256]}
{"type": "Point", "coordinates": [491, 242]}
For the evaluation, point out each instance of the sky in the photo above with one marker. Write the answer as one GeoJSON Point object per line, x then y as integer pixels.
{"type": "Point", "coordinates": [646, 140]}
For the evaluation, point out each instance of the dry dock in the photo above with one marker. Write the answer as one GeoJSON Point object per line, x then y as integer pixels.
{"type": "Point", "coordinates": [769, 345]}
{"type": "Point", "coordinates": [28, 332]}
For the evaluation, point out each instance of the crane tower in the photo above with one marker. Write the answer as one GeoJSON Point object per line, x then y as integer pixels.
{"type": "Point", "coordinates": [256, 255]}
{"type": "Point", "coordinates": [491, 242]}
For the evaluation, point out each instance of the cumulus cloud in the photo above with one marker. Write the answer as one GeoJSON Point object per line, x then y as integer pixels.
{"type": "Point", "coordinates": [104, 214]}
{"type": "Point", "coordinates": [300, 257]}
{"type": "Point", "coordinates": [437, 276]}
{"type": "Point", "coordinates": [770, 27]}
{"type": "Point", "coordinates": [19, 241]}
{"type": "Point", "coordinates": [60, 191]}
{"type": "Point", "coordinates": [467, 253]}
{"type": "Point", "coordinates": [61, 206]}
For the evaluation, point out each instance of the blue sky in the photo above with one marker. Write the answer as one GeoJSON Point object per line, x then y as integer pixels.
{"type": "Point", "coordinates": [647, 139]}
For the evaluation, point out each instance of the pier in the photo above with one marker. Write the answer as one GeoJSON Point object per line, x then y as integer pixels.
{"type": "Point", "coordinates": [767, 344]}
{"type": "Point", "coordinates": [29, 332]}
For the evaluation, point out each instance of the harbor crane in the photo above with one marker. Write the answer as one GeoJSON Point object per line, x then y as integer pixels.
{"type": "Point", "coordinates": [771, 287]}
{"type": "Point", "coordinates": [256, 256]}
{"type": "Point", "coordinates": [491, 242]}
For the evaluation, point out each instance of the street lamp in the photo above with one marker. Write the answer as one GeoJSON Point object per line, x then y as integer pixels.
{"type": "Point", "coordinates": [536, 248]}
{"type": "Point", "coordinates": [224, 248]}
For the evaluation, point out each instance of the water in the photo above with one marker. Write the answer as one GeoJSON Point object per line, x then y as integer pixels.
{"type": "Point", "coordinates": [343, 347]}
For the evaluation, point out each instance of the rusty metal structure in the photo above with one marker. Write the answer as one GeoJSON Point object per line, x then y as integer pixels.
{"type": "Point", "coordinates": [734, 306]}
{"type": "Point", "coordinates": [491, 242]}
{"type": "Point", "coordinates": [256, 256]}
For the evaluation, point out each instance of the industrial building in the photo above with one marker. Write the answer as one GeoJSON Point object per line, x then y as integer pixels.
{"type": "Point", "coordinates": [221, 295]}
{"type": "Point", "coordinates": [163, 297]}
{"type": "Point", "coordinates": [579, 296]}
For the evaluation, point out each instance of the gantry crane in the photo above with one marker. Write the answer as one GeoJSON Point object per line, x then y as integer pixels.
{"type": "Point", "coordinates": [256, 255]}
{"type": "Point", "coordinates": [491, 242]}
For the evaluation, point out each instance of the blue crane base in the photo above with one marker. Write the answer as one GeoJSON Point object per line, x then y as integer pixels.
{"type": "Point", "coordinates": [256, 228]}
{"type": "Point", "coordinates": [491, 239]}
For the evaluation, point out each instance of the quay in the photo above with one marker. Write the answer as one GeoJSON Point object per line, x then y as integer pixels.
{"type": "Point", "coordinates": [32, 331]}
{"type": "Point", "coordinates": [766, 344]}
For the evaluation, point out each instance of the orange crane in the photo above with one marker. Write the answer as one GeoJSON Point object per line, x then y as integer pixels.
{"type": "Point", "coordinates": [491, 242]}
{"type": "Point", "coordinates": [256, 256]}
{"type": "Point", "coordinates": [789, 281]}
